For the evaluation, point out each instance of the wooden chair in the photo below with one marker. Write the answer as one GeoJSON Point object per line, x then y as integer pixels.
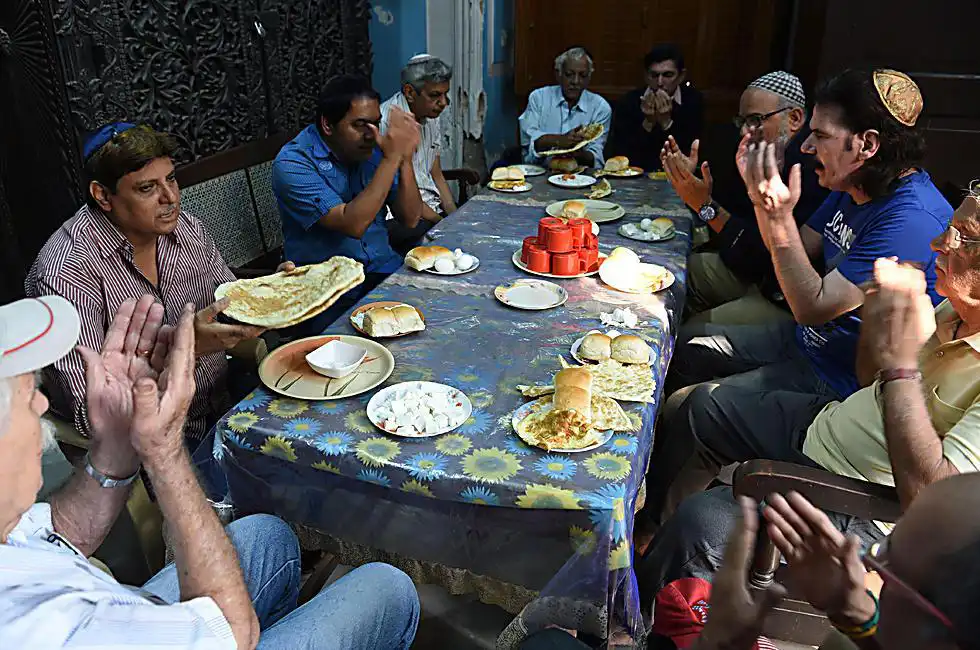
{"type": "Point", "coordinates": [795, 619]}
{"type": "Point", "coordinates": [465, 177]}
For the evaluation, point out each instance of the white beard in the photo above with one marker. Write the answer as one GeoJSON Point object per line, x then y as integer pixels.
{"type": "Point", "coordinates": [48, 441]}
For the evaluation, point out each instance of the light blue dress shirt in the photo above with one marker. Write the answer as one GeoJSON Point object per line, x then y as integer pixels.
{"type": "Point", "coordinates": [548, 112]}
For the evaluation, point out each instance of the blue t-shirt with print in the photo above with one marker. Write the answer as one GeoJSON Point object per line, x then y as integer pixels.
{"type": "Point", "coordinates": [901, 224]}
{"type": "Point", "coordinates": [309, 180]}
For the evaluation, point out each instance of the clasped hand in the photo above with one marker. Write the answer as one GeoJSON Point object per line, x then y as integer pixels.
{"type": "Point", "coordinates": [757, 163]}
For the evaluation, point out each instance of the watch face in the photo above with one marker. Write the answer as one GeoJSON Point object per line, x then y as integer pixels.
{"type": "Point", "coordinates": [707, 213]}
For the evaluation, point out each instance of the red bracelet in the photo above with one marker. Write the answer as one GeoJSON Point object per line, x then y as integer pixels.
{"type": "Point", "coordinates": [886, 375]}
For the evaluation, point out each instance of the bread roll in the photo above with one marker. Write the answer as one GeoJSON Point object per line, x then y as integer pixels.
{"type": "Point", "coordinates": [573, 210]}
{"type": "Point", "coordinates": [627, 348]}
{"type": "Point", "coordinates": [571, 398]}
{"type": "Point", "coordinates": [662, 227]}
{"type": "Point", "coordinates": [421, 258]}
{"type": "Point", "coordinates": [595, 347]}
{"type": "Point", "coordinates": [617, 164]}
{"type": "Point", "coordinates": [563, 164]}
{"type": "Point", "coordinates": [577, 377]}
{"type": "Point", "coordinates": [380, 322]}
{"type": "Point", "coordinates": [408, 319]}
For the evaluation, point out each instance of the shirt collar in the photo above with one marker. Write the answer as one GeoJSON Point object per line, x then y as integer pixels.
{"type": "Point", "coordinates": [107, 236]}
{"type": "Point", "coordinates": [562, 102]}
{"type": "Point", "coordinates": [318, 146]}
{"type": "Point", "coordinates": [947, 322]}
{"type": "Point", "coordinates": [399, 100]}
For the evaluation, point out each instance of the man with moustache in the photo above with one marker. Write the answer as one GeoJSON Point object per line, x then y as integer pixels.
{"type": "Point", "coordinates": [335, 181]}
{"type": "Point", "coordinates": [130, 239]}
{"type": "Point", "coordinates": [425, 95]}
{"type": "Point", "coordinates": [736, 389]}
{"type": "Point", "coordinates": [555, 113]}
{"type": "Point", "coordinates": [666, 106]}
{"type": "Point", "coordinates": [737, 285]}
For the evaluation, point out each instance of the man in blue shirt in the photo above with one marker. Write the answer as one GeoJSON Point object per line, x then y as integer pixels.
{"type": "Point", "coordinates": [335, 179]}
{"type": "Point", "coordinates": [555, 112]}
{"type": "Point", "coordinates": [746, 387]}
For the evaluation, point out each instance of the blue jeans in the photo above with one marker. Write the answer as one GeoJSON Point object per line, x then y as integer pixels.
{"type": "Point", "coordinates": [374, 606]}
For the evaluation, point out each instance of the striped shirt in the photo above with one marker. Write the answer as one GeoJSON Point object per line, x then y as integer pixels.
{"type": "Point", "coordinates": [90, 263]}
{"type": "Point", "coordinates": [52, 597]}
{"type": "Point", "coordinates": [425, 155]}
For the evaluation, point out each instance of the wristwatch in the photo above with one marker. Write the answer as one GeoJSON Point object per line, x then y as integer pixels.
{"type": "Point", "coordinates": [708, 211]}
{"type": "Point", "coordinates": [104, 480]}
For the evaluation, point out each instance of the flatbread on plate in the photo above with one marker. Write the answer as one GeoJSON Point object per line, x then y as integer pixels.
{"type": "Point", "coordinates": [287, 298]}
{"type": "Point", "coordinates": [606, 413]}
{"type": "Point", "coordinates": [625, 382]}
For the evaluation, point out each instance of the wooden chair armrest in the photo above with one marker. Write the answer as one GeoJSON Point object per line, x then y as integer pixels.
{"type": "Point", "coordinates": [760, 478]}
{"type": "Point", "coordinates": [464, 174]}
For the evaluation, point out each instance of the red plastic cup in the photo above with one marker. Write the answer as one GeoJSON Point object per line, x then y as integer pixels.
{"type": "Point", "coordinates": [529, 242]}
{"type": "Point", "coordinates": [588, 259]}
{"type": "Point", "coordinates": [591, 241]}
{"type": "Point", "coordinates": [580, 228]}
{"type": "Point", "coordinates": [538, 260]}
{"type": "Point", "coordinates": [559, 239]}
{"type": "Point", "coordinates": [547, 223]}
{"type": "Point", "coordinates": [565, 263]}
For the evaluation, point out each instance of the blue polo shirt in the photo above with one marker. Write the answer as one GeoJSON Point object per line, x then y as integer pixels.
{"type": "Point", "coordinates": [900, 224]}
{"type": "Point", "coordinates": [309, 180]}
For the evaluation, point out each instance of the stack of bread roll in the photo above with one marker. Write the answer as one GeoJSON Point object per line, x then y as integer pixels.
{"type": "Point", "coordinates": [421, 258]}
{"type": "Point", "coordinates": [573, 391]}
{"type": "Point", "coordinates": [574, 210]}
{"type": "Point", "coordinates": [625, 348]}
{"type": "Point", "coordinates": [617, 164]}
{"type": "Point", "coordinates": [392, 321]}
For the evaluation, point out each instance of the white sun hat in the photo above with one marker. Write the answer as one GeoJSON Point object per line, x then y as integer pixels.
{"type": "Point", "coordinates": [36, 332]}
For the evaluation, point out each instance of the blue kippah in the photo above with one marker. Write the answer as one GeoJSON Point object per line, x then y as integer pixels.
{"type": "Point", "coordinates": [98, 139]}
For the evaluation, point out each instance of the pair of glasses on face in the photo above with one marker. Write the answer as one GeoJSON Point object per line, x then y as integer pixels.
{"type": "Point", "coordinates": [954, 238]}
{"type": "Point", "coordinates": [755, 120]}
{"type": "Point", "coordinates": [876, 559]}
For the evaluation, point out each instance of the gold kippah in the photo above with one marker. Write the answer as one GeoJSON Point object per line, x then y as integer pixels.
{"type": "Point", "coordinates": [899, 94]}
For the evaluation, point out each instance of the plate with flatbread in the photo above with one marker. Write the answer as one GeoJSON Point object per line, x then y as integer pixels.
{"type": "Point", "coordinates": [286, 371]}
{"type": "Point", "coordinates": [600, 190]}
{"type": "Point", "coordinates": [290, 297]}
{"type": "Point", "coordinates": [595, 211]}
{"type": "Point", "coordinates": [538, 424]}
{"type": "Point", "coordinates": [591, 133]}
{"type": "Point", "coordinates": [624, 382]}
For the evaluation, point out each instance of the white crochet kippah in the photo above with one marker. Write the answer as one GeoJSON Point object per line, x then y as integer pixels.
{"type": "Point", "coordinates": [784, 84]}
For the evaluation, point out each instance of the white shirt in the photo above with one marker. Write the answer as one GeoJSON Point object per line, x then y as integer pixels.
{"type": "Point", "coordinates": [548, 112]}
{"type": "Point", "coordinates": [425, 154]}
{"type": "Point", "coordinates": [52, 597]}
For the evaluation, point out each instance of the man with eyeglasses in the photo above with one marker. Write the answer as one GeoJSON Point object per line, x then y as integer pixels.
{"type": "Point", "coordinates": [554, 114]}
{"type": "Point", "coordinates": [737, 285]}
{"type": "Point", "coordinates": [666, 105]}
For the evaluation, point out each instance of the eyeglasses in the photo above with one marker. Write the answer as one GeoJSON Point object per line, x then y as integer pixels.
{"type": "Point", "coordinates": [755, 120]}
{"type": "Point", "coordinates": [875, 559]}
{"type": "Point", "coordinates": [954, 238]}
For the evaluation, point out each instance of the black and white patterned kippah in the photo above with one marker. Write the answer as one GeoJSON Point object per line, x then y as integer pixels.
{"type": "Point", "coordinates": [784, 84]}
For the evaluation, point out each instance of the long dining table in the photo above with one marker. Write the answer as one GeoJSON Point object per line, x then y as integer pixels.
{"type": "Point", "coordinates": [546, 536]}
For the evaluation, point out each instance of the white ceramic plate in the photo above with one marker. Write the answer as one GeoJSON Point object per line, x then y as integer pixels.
{"type": "Point", "coordinates": [641, 268]}
{"type": "Point", "coordinates": [596, 211]}
{"type": "Point", "coordinates": [531, 294]}
{"type": "Point", "coordinates": [643, 235]}
{"type": "Point", "coordinates": [576, 180]}
{"type": "Point", "coordinates": [532, 170]}
{"type": "Point", "coordinates": [626, 173]}
{"type": "Point", "coordinates": [525, 410]}
{"type": "Point", "coordinates": [578, 343]}
{"type": "Point", "coordinates": [469, 270]}
{"type": "Point", "coordinates": [378, 398]}
{"type": "Point", "coordinates": [526, 187]}
{"type": "Point", "coordinates": [516, 259]}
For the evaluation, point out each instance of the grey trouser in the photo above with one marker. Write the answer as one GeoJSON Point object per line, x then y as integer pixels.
{"type": "Point", "coordinates": [739, 393]}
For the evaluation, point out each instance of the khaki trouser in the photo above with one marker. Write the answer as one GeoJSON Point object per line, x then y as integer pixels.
{"type": "Point", "coordinates": [716, 295]}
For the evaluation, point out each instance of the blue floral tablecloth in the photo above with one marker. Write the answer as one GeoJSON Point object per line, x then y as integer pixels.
{"type": "Point", "coordinates": [297, 458]}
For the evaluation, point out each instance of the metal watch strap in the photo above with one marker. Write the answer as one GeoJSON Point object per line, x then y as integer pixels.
{"type": "Point", "coordinates": [886, 375]}
{"type": "Point", "coordinates": [104, 480]}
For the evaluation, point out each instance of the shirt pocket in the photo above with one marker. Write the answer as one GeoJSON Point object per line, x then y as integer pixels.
{"type": "Point", "coordinates": [943, 414]}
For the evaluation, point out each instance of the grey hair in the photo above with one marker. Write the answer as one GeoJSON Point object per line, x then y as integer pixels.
{"type": "Point", "coordinates": [572, 55]}
{"type": "Point", "coordinates": [426, 69]}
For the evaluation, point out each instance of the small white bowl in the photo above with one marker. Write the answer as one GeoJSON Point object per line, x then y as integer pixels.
{"type": "Point", "coordinates": [336, 359]}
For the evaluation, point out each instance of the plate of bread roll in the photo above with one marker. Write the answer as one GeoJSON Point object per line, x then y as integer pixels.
{"type": "Point", "coordinates": [624, 348]}
{"type": "Point", "coordinates": [566, 422]}
{"type": "Point", "coordinates": [387, 319]}
{"type": "Point", "coordinates": [620, 166]}
{"type": "Point", "coordinates": [441, 261]}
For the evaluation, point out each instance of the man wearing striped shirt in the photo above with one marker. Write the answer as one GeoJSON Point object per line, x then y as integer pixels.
{"type": "Point", "coordinates": [129, 239]}
{"type": "Point", "coordinates": [229, 588]}
{"type": "Point", "coordinates": [425, 95]}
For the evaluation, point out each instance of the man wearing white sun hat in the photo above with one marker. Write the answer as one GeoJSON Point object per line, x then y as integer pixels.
{"type": "Point", "coordinates": [234, 588]}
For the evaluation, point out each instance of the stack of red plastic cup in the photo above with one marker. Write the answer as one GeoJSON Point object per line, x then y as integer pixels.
{"type": "Point", "coordinates": [562, 247]}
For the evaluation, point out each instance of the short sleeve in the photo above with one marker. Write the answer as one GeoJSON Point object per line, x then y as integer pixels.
{"type": "Point", "coordinates": [901, 232]}
{"type": "Point", "coordinates": [961, 445]}
{"type": "Point", "coordinates": [303, 195]}
{"type": "Point", "coordinates": [818, 220]}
